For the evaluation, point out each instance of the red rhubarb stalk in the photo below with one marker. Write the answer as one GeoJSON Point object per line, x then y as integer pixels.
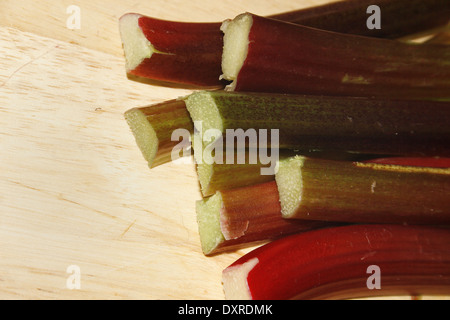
{"type": "Point", "coordinates": [339, 263]}
{"type": "Point", "coordinates": [168, 51]}
{"type": "Point", "coordinates": [266, 55]}
{"type": "Point", "coordinates": [190, 53]}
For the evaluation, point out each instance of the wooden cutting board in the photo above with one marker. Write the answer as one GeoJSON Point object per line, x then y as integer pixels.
{"type": "Point", "coordinates": [81, 214]}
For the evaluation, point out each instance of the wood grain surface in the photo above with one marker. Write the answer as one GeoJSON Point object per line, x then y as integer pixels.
{"type": "Point", "coordinates": [74, 189]}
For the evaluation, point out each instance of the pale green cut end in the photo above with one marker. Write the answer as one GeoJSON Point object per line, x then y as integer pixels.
{"type": "Point", "coordinates": [289, 183]}
{"type": "Point", "coordinates": [208, 219]}
{"type": "Point", "coordinates": [136, 47]}
{"type": "Point", "coordinates": [144, 134]}
{"type": "Point", "coordinates": [235, 45]}
{"type": "Point", "coordinates": [204, 173]}
{"type": "Point", "coordinates": [204, 112]}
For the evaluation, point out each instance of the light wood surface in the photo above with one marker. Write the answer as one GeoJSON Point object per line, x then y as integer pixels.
{"type": "Point", "coordinates": [74, 188]}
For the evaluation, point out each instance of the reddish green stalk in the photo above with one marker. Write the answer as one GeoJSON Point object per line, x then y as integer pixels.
{"type": "Point", "coordinates": [266, 55]}
{"type": "Point", "coordinates": [363, 192]}
{"type": "Point", "coordinates": [153, 127]}
{"type": "Point", "coordinates": [218, 177]}
{"type": "Point", "coordinates": [237, 218]}
{"type": "Point", "coordinates": [190, 53]}
{"type": "Point", "coordinates": [342, 263]}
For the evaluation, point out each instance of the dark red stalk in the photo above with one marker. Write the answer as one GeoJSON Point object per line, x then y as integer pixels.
{"type": "Point", "coordinates": [190, 54]}
{"type": "Point", "coordinates": [399, 18]}
{"type": "Point", "coordinates": [287, 58]}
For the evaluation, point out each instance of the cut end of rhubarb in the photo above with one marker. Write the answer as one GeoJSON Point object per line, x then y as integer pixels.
{"type": "Point", "coordinates": [235, 46]}
{"type": "Point", "coordinates": [234, 280]}
{"type": "Point", "coordinates": [289, 183]}
{"type": "Point", "coordinates": [204, 112]}
{"type": "Point", "coordinates": [208, 219]}
{"type": "Point", "coordinates": [144, 134]}
{"type": "Point", "coordinates": [204, 173]}
{"type": "Point", "coordinates": [135, 45]}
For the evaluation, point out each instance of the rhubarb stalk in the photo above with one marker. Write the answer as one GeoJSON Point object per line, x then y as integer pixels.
{"type": "Point", "coordinates": [267, 55]}
{"type": "Point", "coordinates": [338, 124]}
{"type": "Point", "coordinates": [214, 177]}
{"type": "Point", "coordinates": [400, 18]}
{"type": "Point", "coordinates": [153, 126]}
{"type": "Point", "coordinates": [363, 192]}
{"type": "Point", "coordinates": [224, 176]}
{"type": "Point", "coordinates": [341, 262]}
{"type": "Point", "coordinates": [190, 53]}
{"type": "Point", "coordinates": [237, 218]}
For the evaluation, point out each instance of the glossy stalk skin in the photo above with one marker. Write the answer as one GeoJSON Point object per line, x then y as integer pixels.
{"type": "Point", "coordinates": [153, 127]}
{"type": "Point", "coordinates": [399, 18]}
{"type": "Point", "coordinates": [363, 192]}
{"type": "Point", "coordinates": [338, 124]}
{"type": "Point", "coordinates": [189, 54]}
{"type": "Point", "coordinates": [332, 263]}
{"type": "Point", "coordinates": [287, 58]}
{"type": "Point", "coordinates": [244, 217]}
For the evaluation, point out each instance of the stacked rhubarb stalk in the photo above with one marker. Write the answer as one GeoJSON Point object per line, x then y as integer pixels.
{"type": "Point", "coordinates": [351, 169]}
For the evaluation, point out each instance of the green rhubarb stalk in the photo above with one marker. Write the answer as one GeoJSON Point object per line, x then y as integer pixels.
{"type": "Point", "coordinates": [215, 177]}
{"type": "Point", "coordinates": [338, 124]}
{"type": "Point", "coordinates": [153, 126]}
{"type": "Point", "coordinates": [363, 192]}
